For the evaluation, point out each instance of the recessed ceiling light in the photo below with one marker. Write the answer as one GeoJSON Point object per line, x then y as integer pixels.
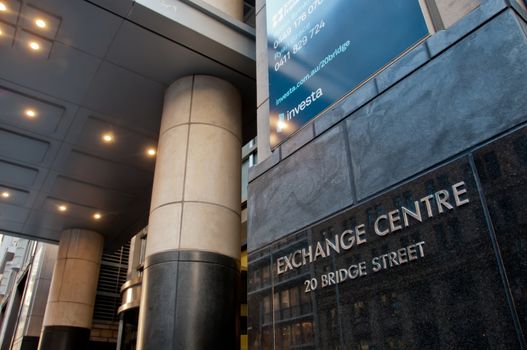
{"type": "Point", "coordinates": [39, 22]}
{"type": "Point", "coordinates": [6, 194]}
{"type": "Point", "coordinates": [33, 45]}
{"type": "Point", "coordinates": [3, 7]}
{"type": "Point", "coordinates": [31, 113]}
{"type": "Point", "coordinates": [97, 216]}
{"type": "Point", "coordinates": [108, 137]}
{"type": "Point", "coordinates": [62, 208]}
{"type": "Point", "coordinates": [151, 152]}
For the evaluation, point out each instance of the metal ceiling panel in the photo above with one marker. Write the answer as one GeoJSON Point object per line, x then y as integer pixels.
{"type": "Point", "coordinates": [128, 147]}
{"type": "Point", "coordinates": [120, 7]}
{"type": "Point", "coordinates": [108, 174]}
{"type": "Point", "coordinates": [13, 213]}
{"type": "Point", "coordinates": [23, 148]}
{"type": "Point", "coordinates": [7, 34]}
{"type": "Point", "coordinates": [17, 175]}
{"type": "Point", "coordinates": [180, 62]}
{"type": "Point", "coordinates": [107, 200]}
{"type": "Point", "coordinates": [15, 105]}
{"type": "Point", "coordinates": [84, 26]}
{"type": "Point", "coordinates": [16, 196]}
{"type": "Point", "coordinates": [185, 62]}
{"type": "Point", "coordinates": [24, 41]}
{"type": "Point", "coordinates": [37, 232]}
{"type": "Point", "coordinates": [128, 98]}
{"type": "Point", "coordinates": [65, 75]}
{"type": "Point", "coordinates": [11, 13]}
{"type": "Point", "coordinates": [74, 210]}
{"type": "Point", "coordinates": [48, 220]}
{"type": "Point", "coordinates": [28, 20]}
{"type": "Point", "coordinates": [10, 226]}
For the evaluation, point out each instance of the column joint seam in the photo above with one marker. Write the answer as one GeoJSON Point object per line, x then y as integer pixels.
{"type": "Point", "coordinates": [69, 258]}
{"type": "Point", "coordinates": [201, 123]}
{"type": "Point", "coordinates": [182, 205]}
{"type": "Point", "coordinates": [502, 271]}
{"type": "Point", "coordinates": [69, 302]}
{"type": "Point", "coordinates": [198, 202]}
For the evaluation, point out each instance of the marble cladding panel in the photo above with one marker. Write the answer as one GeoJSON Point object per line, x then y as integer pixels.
{"type": "Point", "coordinates": [463, 97]}
{"type": "Point", "coordinates": [502, 168]}
{"type": "Point", "coordinates": [311, 184]}
{"type": "Point", "coordinates": [405, 282]}
{"type": "Point", "coordinates": [416, 114]}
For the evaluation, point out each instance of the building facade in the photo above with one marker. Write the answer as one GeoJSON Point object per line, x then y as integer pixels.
{"type": "Point", "coordinates": [391, 217]}
{"type": "Point", "coordinates": [114, 116]}
{"type": "Point", "coordinates": [26, 278]}
{"type": "Point", "coordinates": [394, 219]}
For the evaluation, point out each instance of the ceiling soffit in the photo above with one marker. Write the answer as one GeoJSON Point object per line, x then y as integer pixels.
{"type": "Point", "coordinates": [100, 68]}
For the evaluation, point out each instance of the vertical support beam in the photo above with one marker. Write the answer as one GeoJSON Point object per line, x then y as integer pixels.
{"type": "Point", "coordinates": [69, 311]}
{"type": "Point", "coordinates": [191, 273]}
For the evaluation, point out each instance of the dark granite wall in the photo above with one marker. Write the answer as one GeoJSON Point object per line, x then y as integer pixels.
{"type": "Point", "coordinates": [460, 88]}
{"type": "Point", "coordinates": [468, 289]}
{"type": "Point", "coordinates": [453, 109]}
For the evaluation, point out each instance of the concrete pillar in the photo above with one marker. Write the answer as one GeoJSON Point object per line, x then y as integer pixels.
{"type": "Point", "coordinates": [69, 311]}
{"type": "Point", "coordinates": [233, 8]}
{"type": "Point", "coordinates": [191, 271]}
{"type": "Point", "coordinates": [31, 314]}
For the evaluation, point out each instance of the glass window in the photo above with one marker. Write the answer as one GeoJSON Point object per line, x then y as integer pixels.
{"type": "Point", "coordinates": [295, 302]}
{"type": "Point", "coordinates": [307, 331]}
{"type": "Point", "coordinates": [266, 276]}
{"type": "Point", "coordinates": [267, 309]}
{"type": "Point", "coordinates": [285, 304]}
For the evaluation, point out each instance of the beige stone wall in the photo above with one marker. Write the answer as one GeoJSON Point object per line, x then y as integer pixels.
{"type": "Point", "coordinates": [233, 8]}
{"type": "Point", "coordinates": [196, 194]}
{"type": "Point", "coordinates": [445, 13]}
{"type": "Point", "coordinates": [75, 275]}
{"type": "Point", "coordinates": [42, 285]}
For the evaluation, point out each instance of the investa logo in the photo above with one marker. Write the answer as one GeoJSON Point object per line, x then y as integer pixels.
{"type": "Point", "coordinates": [315, 95]}
{"type": "Point", "coordinates": [305, 103]}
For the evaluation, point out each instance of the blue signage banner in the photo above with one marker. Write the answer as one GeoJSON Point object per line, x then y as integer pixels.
{"type": "Point", "coordinates": [319, 50]}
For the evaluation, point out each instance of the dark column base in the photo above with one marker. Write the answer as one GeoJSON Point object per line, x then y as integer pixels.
{"type": "Point", "coordinates": [29, 343]}
{"type": "Point", "coordinates": [64, 338]}
{"type": "Point", "coordinates": [191, 302]}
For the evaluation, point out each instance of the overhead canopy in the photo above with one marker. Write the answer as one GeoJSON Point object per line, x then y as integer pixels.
{"type": "Point", "coordinates": [73, 72]}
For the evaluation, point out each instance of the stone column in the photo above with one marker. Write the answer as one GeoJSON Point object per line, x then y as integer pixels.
{"type": "Point", "coordinates": [233, 8]}
{"type": "Point", "coordinates": [69, 311]}
{"type": "Point", "coordinates": [191, 271]}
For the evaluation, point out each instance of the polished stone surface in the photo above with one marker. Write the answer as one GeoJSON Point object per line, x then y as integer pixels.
{"type": "Point", "coordinates": [462, 87]}
{"type": "Point", "coordinates": [450, 295]}
{"type": "Point", "coordinates": [464, 96]}
{"type": "Point", "coordinates": [64, 338]}
{"type": "Point", "coordinates": [304, 185]}
{"type": "Point", "coordinates": [502, 168]}
{"type": "Point", "coordinates": [191, 301]}
{"type": "Point", "coordinates": [359, 98]}
{"type": "Point", "coordinates": [298, 140]}
{"type": "Point", "coordinates": [403, 67]}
